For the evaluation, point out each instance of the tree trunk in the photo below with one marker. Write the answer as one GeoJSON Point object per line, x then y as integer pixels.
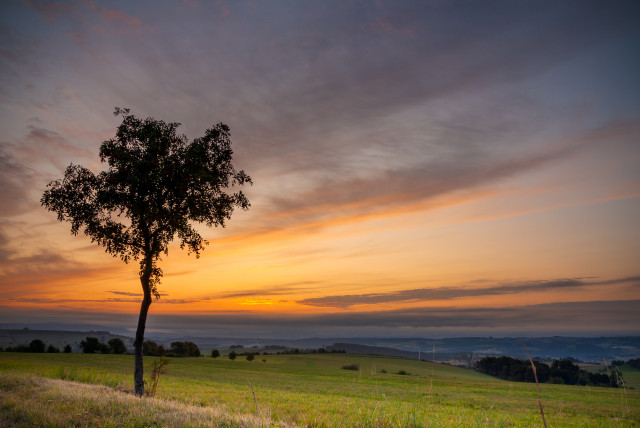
{"type": "Point", "coordinates": [138, 372]}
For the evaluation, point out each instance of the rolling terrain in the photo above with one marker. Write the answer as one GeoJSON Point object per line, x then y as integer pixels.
{"type": "Point", "coordinates": [458, 350]}
{"type": "Point", "coordinates": [283, 390]}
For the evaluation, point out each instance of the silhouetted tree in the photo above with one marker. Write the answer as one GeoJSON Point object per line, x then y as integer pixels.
{"type": "Point", "coordinates": [53, 349]}
{"type": "Point", "coordinates": [512, 369]}
{"type": "Point", "coordinates": [91, 345]}
{"type": "Point", "coordinates": [67, 349]}
{"type": "Point", "coordinates": [37, 345]}
{"type": "Point", "coordinates": [215, 353]}
{"type": "Point", "coordinates": [232, 355]}
{"type": "Point", "coordinates": [565, 370]}
{"type": "Point", "coordinates": [116, 346]}
{"type": "Point", "coordinates": [561, 371]}
{"type": "Point", "coordinates": [635, 363]}
{"type": "Point", "coordinates": [151, 348]}
{"type": "Point", "coordinates": [155, 186]}
{"type": "Point", "coordinates": [184, 349]}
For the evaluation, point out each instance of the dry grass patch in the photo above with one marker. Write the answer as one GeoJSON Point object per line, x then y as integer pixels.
{"type": "Point", "coordinates": [36, 401]}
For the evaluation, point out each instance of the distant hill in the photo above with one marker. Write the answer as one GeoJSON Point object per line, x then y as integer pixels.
{"type": "Point", "coordinates": [456, 350]}
{"type": "Point", "coordinates": [460, 350]}
{"type": "Point", "coordinates": [352, 348]}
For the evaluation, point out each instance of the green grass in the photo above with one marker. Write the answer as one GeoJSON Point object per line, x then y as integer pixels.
{"type": "Point", "coordinates": [314, 390]}
{"type": "Point", "coordinates": [630, 375]}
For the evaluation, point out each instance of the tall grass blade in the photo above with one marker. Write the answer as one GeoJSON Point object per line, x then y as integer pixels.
{"type": "Point", "coordinates": [535, 375]}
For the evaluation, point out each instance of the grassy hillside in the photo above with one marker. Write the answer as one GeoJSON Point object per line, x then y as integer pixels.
{"type": "Point", "coordinates": [308, 389]}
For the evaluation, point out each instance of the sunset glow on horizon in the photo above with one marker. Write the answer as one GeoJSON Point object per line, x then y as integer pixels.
{"type": "Point", "coordinates": [420, 168]}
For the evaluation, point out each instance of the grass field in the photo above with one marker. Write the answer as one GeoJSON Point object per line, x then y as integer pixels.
{"type": "Point", "coordinates": [306, 390]}
{"type": "Point", "coordinates": [631, 376]}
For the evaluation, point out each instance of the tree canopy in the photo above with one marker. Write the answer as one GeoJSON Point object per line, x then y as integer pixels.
{"type": "Point", "coordinates": [117, 346]}
{"type": "Point", "coordinates": [155, 186]}
{"type": "Point", "coordinates": [92, 345]}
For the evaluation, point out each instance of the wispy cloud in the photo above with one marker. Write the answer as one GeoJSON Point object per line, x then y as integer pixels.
{"type": "Point", "coordinates": [42, 137]}
{"type": "Point", "coordinates": [44, 269]}
{"type": "Point", "coordinates": [15, 181]}
{"type": "Point", "coordinates": [280, 290]}
{"type": "Point", "coordinates": [55, 302]}
{"type": "Point", "coordinates": [128, 293]}
{"type": "Point", "coordinates": [125, 293]}
{"type": "Point", "coordinates": [450, 293]}
{"type": "Point", "coordinates": [88, 15]}
{"type": "Point", "coordinates": [566, 318]}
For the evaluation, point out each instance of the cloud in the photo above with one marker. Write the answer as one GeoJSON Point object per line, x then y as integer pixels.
{"type": "Point", "coordinates": [400, 190]}
{"type": "Point", "coordinates": [450, 293]}
{"type": "Point", "coordinates": [40, 137]}
{"type": "Point", "coordinates": [280, 290]}
{"type": "Point", "coordinates": [15, 181]}
{"type": "Point", "coordinates": [43, 267]}
{"type": "Point", "coordinates": [46, 301]}
{"type": "Point", "coordinates": [563, 318]}
{"type": "Point", "coordinates": [341, 74]}
{"type": "Point", "coordinates": [17, 50]}
{"type": "Point", "coordinates": [56, 302]}
{"type": "Point", "coordinates": [127, 293]}
{"type": "Point", "coordinates": [88, 15]}
{"type": "Point", "coordinates": [128, 297]}
{"type": "Point", "coordinates": [51, 9]}
{"type": "Point", "coordinates": [21, 169]}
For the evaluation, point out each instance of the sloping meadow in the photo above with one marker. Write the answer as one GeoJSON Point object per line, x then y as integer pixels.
{"type": "Point", "coordinates": [289, 390]}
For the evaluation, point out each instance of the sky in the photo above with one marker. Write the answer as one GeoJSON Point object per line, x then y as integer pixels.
{"type": "Point", "coordinates": [420, 169]}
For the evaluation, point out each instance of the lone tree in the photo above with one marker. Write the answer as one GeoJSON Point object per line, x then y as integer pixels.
{"type": "Point", "coordinates": [156, 185]}
{"type": "Point", "coordinates": [117, 346]}
{"type": "Point", "coordinates": [37, 345]}
{"type": "Point", "coordinates": [92, 345]}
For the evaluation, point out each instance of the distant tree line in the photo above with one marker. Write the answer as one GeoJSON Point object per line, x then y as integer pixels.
{"type": "Point", "coordinates": [184, 349]}
{"type": "Point", "coordinates": [91, 345]}
{"type": "Point", "coordinates": [561, 371]}
{"type": "Point", "coordinates": [177, 349]}
{"type": "Point", "coordinates": [282, 350]}
{"type": "Point", "coordinates": [37, 346]}
{"type": "Point", "coordinates": [635, 363]}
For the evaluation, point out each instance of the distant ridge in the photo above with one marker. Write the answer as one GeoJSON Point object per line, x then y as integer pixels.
{"type": "Point", "coordinates": [459, 350]}
{"type": "Point", "coordinates": [352, 348]}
